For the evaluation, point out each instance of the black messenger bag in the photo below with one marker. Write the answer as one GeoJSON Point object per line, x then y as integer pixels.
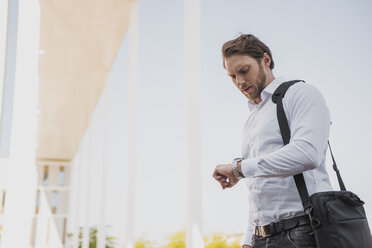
{"type": "Point", "coordinates": [337, 218]}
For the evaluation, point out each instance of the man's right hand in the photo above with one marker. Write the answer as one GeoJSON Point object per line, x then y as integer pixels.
{"type": "Point", "coordinates": [225, 176]}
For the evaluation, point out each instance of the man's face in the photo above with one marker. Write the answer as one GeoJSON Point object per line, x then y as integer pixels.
{"type": "Point", "coordinates": [247, 74]}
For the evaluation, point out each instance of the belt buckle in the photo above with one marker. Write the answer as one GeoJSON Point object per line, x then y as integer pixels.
{"type": "Point", "coordinates": [261, 231]}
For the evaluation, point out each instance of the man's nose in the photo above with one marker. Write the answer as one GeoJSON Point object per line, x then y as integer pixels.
{"type": "Point", "coordinates": [240, 80]}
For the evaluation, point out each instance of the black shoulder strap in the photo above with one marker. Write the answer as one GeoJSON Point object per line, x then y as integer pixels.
{"type": "Point", "coordinates": [277, 98]}
{"type": "Point", "coordinates": [339, 178]}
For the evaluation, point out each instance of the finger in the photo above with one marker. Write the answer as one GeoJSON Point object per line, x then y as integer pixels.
{"type": "Point", "coordinates": [226, 184]}
{"type": "Point", "coordinates": [216, 173]}
{"type": "Point", "coordinates": [222, 182]}
{"type": "Point", "coordinates": [229, 183]}
{"type": "Point", "coordinates": [222, 178]}
{"type": "Point", "coordinates": [218, 176]}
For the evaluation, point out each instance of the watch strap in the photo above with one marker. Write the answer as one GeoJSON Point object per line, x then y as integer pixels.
{"type": "Point", "coordinates": [235, 170]}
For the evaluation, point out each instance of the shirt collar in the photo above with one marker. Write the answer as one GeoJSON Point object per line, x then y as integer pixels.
{"type": "Point", "coordinates": [267, 91]}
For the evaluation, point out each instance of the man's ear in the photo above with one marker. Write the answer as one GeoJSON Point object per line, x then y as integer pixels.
{"type": "Point", "coordinates": [266, 60]}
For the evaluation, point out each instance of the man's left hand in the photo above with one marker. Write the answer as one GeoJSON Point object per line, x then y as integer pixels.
{"type": "Point", "coordinates": [224, 175]}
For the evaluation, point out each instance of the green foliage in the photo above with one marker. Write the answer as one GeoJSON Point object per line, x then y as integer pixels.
{"type": "Point", "coordinates": [222, 241]}
{"type": "Point", "coordinates": [176, 240]}
{"type": "Point", "coordinates": [110, 241]}
{"type": "Point", "coordinates": [142, 243]}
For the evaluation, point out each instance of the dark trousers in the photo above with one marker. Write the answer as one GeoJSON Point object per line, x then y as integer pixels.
{"type": "Point", "coordinates": [299, 237]}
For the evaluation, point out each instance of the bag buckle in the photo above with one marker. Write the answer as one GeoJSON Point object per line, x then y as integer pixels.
{"type": "Point", "coordinates": [314, 222]}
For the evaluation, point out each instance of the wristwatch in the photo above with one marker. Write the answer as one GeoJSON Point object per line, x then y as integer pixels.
{"type": "Point", "coordinates": [236, 173]}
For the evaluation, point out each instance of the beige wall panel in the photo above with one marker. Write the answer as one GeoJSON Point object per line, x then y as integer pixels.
{"type": "Point", "coordinates": [63, 198]}
{"type": "Point", "coordinates": [53, 176]}
{"type": "Point", "coordinates": [79, 41]}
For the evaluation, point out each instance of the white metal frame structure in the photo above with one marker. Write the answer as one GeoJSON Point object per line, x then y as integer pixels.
{"type": "Point", "coordinates": [3, 33]}
{"type": "Point", "coordinates": [33, 65]}
{"type": "Point", "coordinates": [21, 189]}
{"type": "Point", "coordinates": [132, 109]}
{"type": "Point", "coordinates": [49, 227]}
{"type": "Point", "coordinates": [101, 234]}
{"type": "Point", "coordinates": [36, 98]}
{"type": "Point", "coordinates": [85, 239]}
{"type": "Point", "coordinates": [194, 238]}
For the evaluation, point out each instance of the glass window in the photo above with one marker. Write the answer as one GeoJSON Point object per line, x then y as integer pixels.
{"type": "Point", "coordinates": [3, 195]}
{"type": "Point", "coordinates": [64, 231]}
{"type": "Point", "coordinates": [61, 176]}
{"type": "Point", "coordinates": [45, 175]}
{"type": "Point", "coordinates": [37, 202]}
{"type": "Point", "coordinates": [54, 201]}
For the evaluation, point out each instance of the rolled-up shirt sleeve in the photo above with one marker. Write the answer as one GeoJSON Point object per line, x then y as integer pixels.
{"type": "Point", "coordinates": [309, 122]}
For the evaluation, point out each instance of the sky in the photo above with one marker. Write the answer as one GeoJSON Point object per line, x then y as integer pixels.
{"type": "Point", "coordinates": [325, 43]}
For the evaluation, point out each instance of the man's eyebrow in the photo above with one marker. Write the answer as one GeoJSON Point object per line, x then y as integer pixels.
{"type": "Point", "coordinates": [243, 66]}
{"type": "Point", "coordinates": [239, 69]}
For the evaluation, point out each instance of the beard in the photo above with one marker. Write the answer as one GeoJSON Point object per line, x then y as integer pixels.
{"type": "Point", "coordinates": [260, 84]}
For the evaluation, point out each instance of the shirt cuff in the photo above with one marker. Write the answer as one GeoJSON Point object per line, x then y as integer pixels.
{"type": "Point", "coordinates": [250, 167]}
{"type": "Point", "coordinates": [247, 240]}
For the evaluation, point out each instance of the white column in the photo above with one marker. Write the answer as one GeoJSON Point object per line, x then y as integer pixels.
{"type": "Point", "coordinates": [85, 241]}
{"type": "Point", "coordinates": [132, 109]}
{"type": "Point", "coordinates": [21, 194]}
{"type": "Point", "coordinates": [3, 31]}
{"type": "Point", "coordinates": [194, 237]}
{"type": "Point", "coordinates": [78, 202]}
{"type": "Point", "coordinates": [101, 225]}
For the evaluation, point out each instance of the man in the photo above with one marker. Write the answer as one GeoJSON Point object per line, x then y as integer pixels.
{"type": "Point", "coordinates": [268, 166]}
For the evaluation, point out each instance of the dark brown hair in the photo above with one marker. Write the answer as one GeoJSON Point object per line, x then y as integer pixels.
{"type": "Point", "coordinates": [246, 44]}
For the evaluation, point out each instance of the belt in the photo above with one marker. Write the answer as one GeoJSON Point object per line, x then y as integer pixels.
{"type": "Point", "coordinates": [281, 226]}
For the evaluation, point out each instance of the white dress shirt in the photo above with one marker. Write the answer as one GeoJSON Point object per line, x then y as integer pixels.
{"type": "Point", "coordinates": [269, 166]}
